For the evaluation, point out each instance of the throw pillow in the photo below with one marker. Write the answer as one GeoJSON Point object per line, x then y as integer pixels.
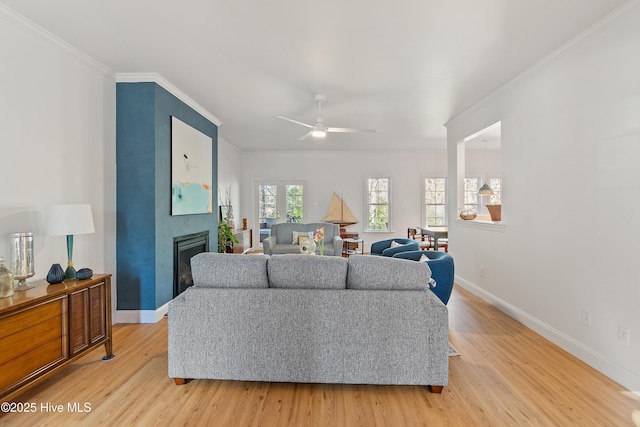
{"type": "Point", "coordinates": [305, 234]}
{"type": "Point", "coordinates": [432, 282]}
{"type": "Point", "coordinates": [395, 244]}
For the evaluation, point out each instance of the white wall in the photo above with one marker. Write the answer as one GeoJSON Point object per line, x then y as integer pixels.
{"type": "Point", "coordinates": [57, 144]}
{"type": "Point", "coordinates": [345, 172]}
{"type": "Point", "coordinates": [570, 156]}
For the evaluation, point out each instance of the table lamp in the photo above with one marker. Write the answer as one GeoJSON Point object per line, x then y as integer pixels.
{"type": "Point", "coordinates": [67, 220]}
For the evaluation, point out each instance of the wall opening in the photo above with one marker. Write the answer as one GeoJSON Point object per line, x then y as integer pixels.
{"type": "Point", "coordinates": [480, 173]}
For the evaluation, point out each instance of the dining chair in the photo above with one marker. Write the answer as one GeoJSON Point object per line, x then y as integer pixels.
{"type": "Point", "coordinates": [425, 241]}
{"type": "Point", "coordinates": [443, 243]}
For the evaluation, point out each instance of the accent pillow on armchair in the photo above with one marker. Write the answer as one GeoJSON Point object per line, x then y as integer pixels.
{"type": "Point", "coordinates": [390, 247]}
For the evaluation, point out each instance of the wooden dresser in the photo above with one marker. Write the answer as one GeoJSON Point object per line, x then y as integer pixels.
{"type": "Point", "coordinates": [48, 327]}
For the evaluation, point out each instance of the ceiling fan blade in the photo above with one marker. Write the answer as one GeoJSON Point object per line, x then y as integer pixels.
{"type": "Point", "coordinates": [352, 130]}
{"type": "Point", "coordinates": [294, 121]}
{"type": "Point", "coordinates": [305, 136]}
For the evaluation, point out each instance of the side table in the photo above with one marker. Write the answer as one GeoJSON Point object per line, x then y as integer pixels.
{"type": "Point", "coordinates": [346, 247]}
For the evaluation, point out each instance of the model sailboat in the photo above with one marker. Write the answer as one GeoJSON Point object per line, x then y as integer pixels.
{"type": "Point", "coordinates": [339, 212]}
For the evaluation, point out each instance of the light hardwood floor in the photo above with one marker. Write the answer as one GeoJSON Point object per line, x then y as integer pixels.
{"type": "Point", "coordinates": [506, 375]}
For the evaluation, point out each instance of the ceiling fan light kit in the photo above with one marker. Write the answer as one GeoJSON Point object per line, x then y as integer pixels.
{"type": "Point", "coordinates": [319, 129]}
{"type": "Point", "coordinates": [318, 133]}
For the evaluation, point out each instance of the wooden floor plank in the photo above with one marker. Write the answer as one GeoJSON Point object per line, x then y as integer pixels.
{"type": "Point", "coordinates": [507, 375]}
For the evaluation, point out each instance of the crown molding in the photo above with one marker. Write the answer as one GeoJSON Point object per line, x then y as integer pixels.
{"type": "Point", "coordinates": [13, 16]}
{"type": "Point", "coordinates": [168, 86]}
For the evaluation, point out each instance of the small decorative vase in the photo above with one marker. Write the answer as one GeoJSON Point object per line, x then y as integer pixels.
{"type": "Point", "coordinates": [6, 281]}
{"type": "Point", "coordinates": [55, 274]}
{"type": "Point", "coordinates": [495, 211]}
{"type": "Point", "coordinates": [84, 273]}
{"type": "Point", "coordinates": [21, 263]}
{"type": "Point", "coordinates": [307, 247]}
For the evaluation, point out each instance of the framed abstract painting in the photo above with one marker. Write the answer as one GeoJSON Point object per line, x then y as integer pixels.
{"type": "Point", "coordinates": [191, 170]}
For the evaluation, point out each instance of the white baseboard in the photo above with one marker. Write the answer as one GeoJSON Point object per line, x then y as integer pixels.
{"type": "Point", "coordinates": [140, 316]}
{"type": "Point", "coordinates": [599, 362]}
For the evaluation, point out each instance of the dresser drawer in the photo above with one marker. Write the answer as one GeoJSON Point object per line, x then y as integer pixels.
{"type": "Point", "coordinates": [32, 341]}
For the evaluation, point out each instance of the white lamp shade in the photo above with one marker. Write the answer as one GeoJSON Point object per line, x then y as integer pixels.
{"type": "Point", "coordinates": [64, 220]}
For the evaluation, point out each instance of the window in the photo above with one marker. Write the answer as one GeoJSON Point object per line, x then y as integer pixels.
{"type": "Point", "coordinates": [378, 204]}
{"type": "Point", "coordinates": [435, 201]}
{"type": "Point", "coordinates": [471, 194]}
{"type": "Point", "coordinates": [294, 202]}
{"type": "Point", "coordinates": [278, 201]}
{"type": "Point", "coordinates": [472, 199]}
{"type": "Point", "coordinates": [267, 202]}
{"type": "Point", "coordinates": [496, 186]}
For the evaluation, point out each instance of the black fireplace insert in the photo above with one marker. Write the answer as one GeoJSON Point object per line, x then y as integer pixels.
{"type": "Point", "coordinates": [185, 247]}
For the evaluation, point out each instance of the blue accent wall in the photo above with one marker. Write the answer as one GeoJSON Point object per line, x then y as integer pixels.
{"type": "Point", "coordinates": [145, 227]}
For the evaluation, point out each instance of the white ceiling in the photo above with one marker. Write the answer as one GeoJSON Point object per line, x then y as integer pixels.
{"type": "Point", "coordinates": [404, 68]}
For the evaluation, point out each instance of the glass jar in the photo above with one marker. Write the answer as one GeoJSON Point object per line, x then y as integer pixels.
{"type": "Point", "coordinates": [6, 281]}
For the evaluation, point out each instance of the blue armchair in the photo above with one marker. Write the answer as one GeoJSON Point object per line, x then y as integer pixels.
{"type": "Point", "coordinates": [383, 247]}
{"type": "Point", "coordinates": [442, 270]}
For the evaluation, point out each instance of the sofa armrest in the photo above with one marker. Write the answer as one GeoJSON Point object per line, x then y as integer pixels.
{"type": "Point", "coordinates": [337, 246]}
{"type": "Point", "coordinates": [402, 248]}
{"type": "Point", "coordinates": [268, 244]}
{"type": "Point", "coordinates": [378, 247]}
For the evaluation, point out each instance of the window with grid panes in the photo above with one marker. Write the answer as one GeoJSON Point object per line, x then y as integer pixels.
{"type": "Point", "coordinates": [496, 186]}
{"type": "Point", "coordinates": [435, 201]}
{"type": "Point", "coordinates": [378, 204]}
{"type": "Point", "coordinates": [471, 194]}
{"type": "Point", "coordinates": [294, 202]}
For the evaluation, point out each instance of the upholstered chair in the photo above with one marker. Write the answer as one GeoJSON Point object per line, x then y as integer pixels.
{"type": "Point", "coordinates": [383, 247]}
{"type": "Point", "coordinates": [442, 270]}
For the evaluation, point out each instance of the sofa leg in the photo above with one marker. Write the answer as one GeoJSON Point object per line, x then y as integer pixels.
{"type": "Point", "coordinates": [436, 388]}
{"type": "Point", "coordinates": [180, 381]}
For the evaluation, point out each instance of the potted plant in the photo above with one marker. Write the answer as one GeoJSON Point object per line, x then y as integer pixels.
{"type": "Point", "coordinates": [225, 237]}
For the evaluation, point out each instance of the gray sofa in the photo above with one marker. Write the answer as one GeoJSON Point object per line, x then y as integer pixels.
{"type": "Point", "coordinates": [281, 239]}
{"type": "Point", "coordinates": [309, 319]}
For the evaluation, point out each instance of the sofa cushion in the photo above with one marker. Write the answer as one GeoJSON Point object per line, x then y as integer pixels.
{"type": "Point", "coordinates": [366, 272]}
{"type": "Point", "coordinates": [285, 248]}
{"type": "Point", "coordinates": [307, 272]}
{"type": "Point", "coordinates": [214, 270]}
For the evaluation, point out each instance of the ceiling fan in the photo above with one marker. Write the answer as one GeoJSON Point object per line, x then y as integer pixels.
{"type": "Point", "coordinates": [319, 129]}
